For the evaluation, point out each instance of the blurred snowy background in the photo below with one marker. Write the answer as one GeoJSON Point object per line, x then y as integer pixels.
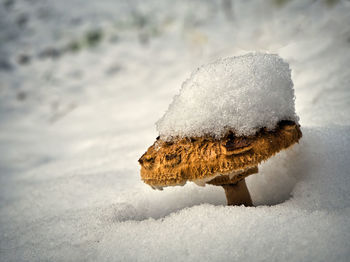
{"type": "Point", "coordinates": [82, 84]}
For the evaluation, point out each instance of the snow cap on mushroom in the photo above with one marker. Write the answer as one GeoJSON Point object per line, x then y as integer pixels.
{"type": "Point", "coordinates": [242, 94]}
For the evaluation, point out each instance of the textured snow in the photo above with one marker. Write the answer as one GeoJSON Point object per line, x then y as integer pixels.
{"type": "Point", "coordinates": [74, 123]}
{"type": "Point", "coordinates": [243, 94]}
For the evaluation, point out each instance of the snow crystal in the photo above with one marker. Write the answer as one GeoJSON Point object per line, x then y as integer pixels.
{"type": "Point", "coordinates": [242, 93]}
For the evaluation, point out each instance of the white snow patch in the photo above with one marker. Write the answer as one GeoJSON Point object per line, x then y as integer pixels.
{"type": "Point", "coordinates": [242, 93]}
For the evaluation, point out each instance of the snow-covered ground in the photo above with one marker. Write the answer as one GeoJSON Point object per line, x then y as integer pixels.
{"type": "Point", "coordinates": [82, 84]}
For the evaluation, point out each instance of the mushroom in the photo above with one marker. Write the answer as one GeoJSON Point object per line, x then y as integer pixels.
{"type": "Point", "coordinates": [222, 162]}
{"type": "Point", "coordinates": [229, 117]}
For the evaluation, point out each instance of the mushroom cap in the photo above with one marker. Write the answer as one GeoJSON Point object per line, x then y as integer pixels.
{"type": "Point", "coordinates": [214, 161]}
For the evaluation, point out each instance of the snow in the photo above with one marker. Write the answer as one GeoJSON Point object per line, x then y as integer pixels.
{"type": "Point", "coordinates": [73, 126]}
{"type": "Point", "coordinates": [242, 93]}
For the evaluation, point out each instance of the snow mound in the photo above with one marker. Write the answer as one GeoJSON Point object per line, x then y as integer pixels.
{"type": "Point", "coordinates": [242, 93]}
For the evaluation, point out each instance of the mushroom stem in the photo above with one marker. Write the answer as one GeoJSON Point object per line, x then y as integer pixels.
{"type": "Point", "coordinates": [237, 194]}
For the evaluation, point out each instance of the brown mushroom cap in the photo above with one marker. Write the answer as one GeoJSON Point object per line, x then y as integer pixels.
{"type": "Point", "coordinates": [214, 161]}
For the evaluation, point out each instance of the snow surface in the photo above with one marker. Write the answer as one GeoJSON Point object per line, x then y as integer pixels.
{"type": "Point", "coordinates": [242, 93]}
{"type": "Point", "coordinates": [76, 114]}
